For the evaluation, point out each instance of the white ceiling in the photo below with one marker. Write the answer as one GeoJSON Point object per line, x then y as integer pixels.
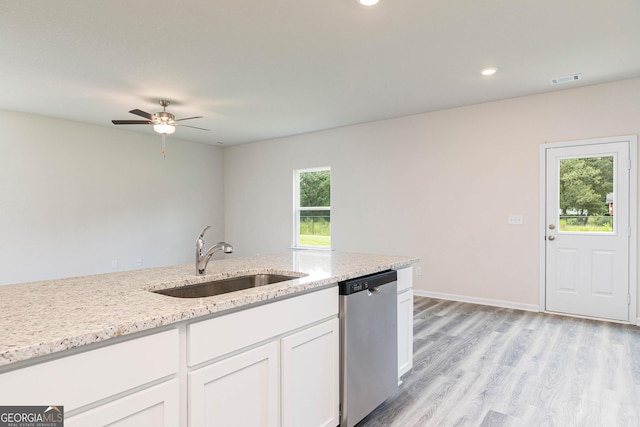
{"type": "Point", "coordinates": [259, 69]}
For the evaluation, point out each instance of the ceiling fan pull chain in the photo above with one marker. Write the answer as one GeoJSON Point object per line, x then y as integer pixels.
{"type": "Point", "coordinates": [164, 153]}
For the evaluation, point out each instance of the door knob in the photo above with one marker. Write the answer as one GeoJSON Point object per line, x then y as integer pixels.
{"type": "Point", "coordinates": [552, 237]}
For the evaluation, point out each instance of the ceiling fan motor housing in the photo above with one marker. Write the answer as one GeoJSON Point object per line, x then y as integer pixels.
{"type": "Point", "coordinates": [164, 117]}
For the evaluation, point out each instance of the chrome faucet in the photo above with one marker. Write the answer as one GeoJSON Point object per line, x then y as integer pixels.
{"type": "Point", "coordinates": [203, 260]}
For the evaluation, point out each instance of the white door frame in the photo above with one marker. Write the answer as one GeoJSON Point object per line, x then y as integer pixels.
{"type": "Point", "coordinates": [633, 216]}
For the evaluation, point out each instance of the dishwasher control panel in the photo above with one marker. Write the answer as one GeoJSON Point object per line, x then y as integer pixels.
{"type": "Point", "coordinates": [356, 287]}
{"type": "Point", "coordinates": [367, 282]}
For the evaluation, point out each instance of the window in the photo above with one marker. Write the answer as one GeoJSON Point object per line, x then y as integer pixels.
{"type": "Point", "coordinates": [586, 196]}
{"type": "Point", "coordinates": [312, 208]}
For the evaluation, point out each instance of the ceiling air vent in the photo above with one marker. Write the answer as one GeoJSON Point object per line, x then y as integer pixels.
{"type": "Point", "coordinates": [566, 79]}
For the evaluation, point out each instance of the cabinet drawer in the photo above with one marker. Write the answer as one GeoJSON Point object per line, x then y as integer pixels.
{"type": "Point", "coordinates": [82, 378]}
{"type": "Point", "coordinates": [405, 279]}
{"type": "Point", "coordinates": [212, 338]}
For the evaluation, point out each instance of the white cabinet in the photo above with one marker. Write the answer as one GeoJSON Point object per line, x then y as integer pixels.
{"type": "Point", "coordinates": [130, 382]}
{"type": "Point", "coordinates": [405, 321]}
{"type": "Point", "coordinates": [271, 365]}
{"type": "Point", "coordinates": [242, 390]}
{"type": "Point", "coordinates": [311, 376]}
{"type": "Point", "coordinates": [156, 406]}
{"type": "Point", "coordinates": [245, 389]}
{"type": "Point", "coordinates": [212, 338]}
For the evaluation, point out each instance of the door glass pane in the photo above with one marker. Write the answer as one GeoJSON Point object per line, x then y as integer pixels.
{"type": "Point", "coordinates": [586, 195]}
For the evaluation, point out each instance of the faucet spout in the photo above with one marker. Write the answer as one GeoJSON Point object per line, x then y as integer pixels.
{"type": "Point", "coordinates": [203, 257]}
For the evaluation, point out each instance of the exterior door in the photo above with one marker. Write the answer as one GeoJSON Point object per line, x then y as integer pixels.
{"type": "Point", "coordinates": [588, 229]}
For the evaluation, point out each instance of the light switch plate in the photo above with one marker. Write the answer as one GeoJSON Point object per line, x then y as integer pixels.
{"type": "Point", "coordinates": [515, 220]}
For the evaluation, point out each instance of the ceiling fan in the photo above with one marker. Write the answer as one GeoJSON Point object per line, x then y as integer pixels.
{"type": "Point", "coordinates": [163, 122]}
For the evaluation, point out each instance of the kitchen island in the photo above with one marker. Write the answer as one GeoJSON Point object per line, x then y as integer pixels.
{"type": "Point", "coordinates": [168, 345]}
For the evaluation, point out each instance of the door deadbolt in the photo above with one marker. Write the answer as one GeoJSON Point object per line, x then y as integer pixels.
{"type": "Point", "coordinates": [552, 226]}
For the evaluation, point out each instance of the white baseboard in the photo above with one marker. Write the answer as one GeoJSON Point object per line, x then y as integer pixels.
{"type": "Point", "coordinates": [499, 303]}
{"type": "Point", "coordinates": [476, 300]}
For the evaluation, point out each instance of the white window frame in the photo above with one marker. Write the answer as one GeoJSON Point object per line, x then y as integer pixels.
{"type": "Point", "coordinates": [297, 209]}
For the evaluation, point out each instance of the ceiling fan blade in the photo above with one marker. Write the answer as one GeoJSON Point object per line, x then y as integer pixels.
{"type": "Point", "coordinates": [188, 118]}
{"type": "Point", "coordinates": [187, 126]}
{"type": "Point", "coordinates": [142, 114]}
{"type": "Point", "coordinates": [132, 122]}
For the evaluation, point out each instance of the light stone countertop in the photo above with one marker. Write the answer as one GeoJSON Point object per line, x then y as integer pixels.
{"type": "Point", "coordinates": [41, 318]}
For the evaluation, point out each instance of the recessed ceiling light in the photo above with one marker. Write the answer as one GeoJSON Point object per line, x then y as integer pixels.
{"type": "Point", "coordinates": [368, 2]}
{"type": "Point", "coordinates": [488, 71]}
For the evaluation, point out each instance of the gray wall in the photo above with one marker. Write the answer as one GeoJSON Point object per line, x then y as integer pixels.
{"type": "Point", "coordinates": [74, 197]}
{"type": "Point", "coordinates": [438, 185]}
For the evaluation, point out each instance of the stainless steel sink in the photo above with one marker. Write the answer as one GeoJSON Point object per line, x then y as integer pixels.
{"type": "Point", "coordinates": [224, 286]}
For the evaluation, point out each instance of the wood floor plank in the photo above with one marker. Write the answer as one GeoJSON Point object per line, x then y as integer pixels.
{"type": "Point", "coordinates": [486, 366]}
{"type": "Point", "coordinates": [494, 419]}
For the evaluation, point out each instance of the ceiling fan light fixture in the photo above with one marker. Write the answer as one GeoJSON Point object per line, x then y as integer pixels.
{"type": "Point", "coordinates": [164, 128]}
{"type": "Point", "coordinates": [368, 2]}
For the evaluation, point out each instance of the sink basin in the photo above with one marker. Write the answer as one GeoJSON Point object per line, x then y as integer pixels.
{"type": "Point", "coordinates": [224, 286]}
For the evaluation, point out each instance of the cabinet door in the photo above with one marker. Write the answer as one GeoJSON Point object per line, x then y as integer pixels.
{"type": "Point", "coordinates": [310, 376]}
{"type": "Point", "coordinates": [241, 391]}
{"type": "Point", "coordinates": [157, 406]}
{"type": "Point", "coordinates": [405, 332]}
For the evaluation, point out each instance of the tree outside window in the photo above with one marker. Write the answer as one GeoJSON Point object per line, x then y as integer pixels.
{"type": "Point", "coordinates": [587, 194]}
{"type": "Point", "coordinates": [313, 207]}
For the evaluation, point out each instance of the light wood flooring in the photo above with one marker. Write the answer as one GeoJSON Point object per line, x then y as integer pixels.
{"type": "Point", "coordinates": [476, 365]}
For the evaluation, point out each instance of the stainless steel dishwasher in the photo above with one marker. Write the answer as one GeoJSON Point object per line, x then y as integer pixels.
{"type": "Point", "coordinates": [368, 344]}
